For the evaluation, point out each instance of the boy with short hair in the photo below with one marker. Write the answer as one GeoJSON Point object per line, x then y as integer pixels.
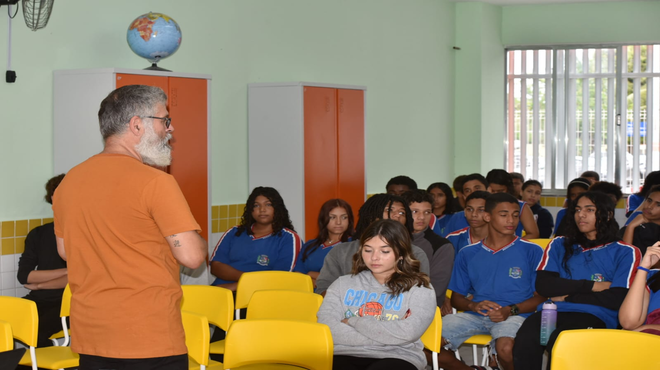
{"type": "Point", "coordinates": [500, 272]}
{"type": "Point", "coordinates": [499, 181]}
{"type": "Point", "coordinates": [439, 250]}
{"type": "Point", "coordinates": [475, 206]}
{"type": "Point", "coordinates": [471, 183]}
{"type": "Point", "coordinates": [518, 181]}
{"type": "Point", "coordinates": [399, 185]}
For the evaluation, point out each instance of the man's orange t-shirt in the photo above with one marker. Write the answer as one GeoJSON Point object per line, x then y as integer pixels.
{"type": "Point", "coordinates": [114, 213]}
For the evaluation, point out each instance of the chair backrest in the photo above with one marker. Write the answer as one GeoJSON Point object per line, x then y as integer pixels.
{"type": "Point", "coordinates": [22, 315]}
{"type": "Point", "coordinates": [605, 349]}
{"type": "Point", "coordinates": [299, 343]}
{"type": "Point", "coordinates": [6, 338]}
{"type": "Point", "coordinates": [65, 308]}
{"type": "Point", "coordinates": [284, 305]}
{"type": "Point", "coordinates": [543, 243]}
{"type": "Point", "coordinates": [198, 336]}
{"type": "Point", "coordinates": [432, 337]}
{"type": "Point", "coordinates": [264, 280]}
{"type": "Point", "coordinates": [215, 303]}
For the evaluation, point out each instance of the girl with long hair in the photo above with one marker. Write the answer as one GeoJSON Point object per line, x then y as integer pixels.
{"type": "Point", "coordinates": [531, 194]}
{"type": "Point", "coordinates": [264, 240]}
{"type": "Point", "coordinates": [335, 224]}
{"type": "Point", "coordinates": [640, 310]}
{"type": "Point", "coordinates": [444, 205]}
{"type": "Point", "coordinates": [379, 312]}
{"type": "Point", "coordinates": [587, 273]}
{"type": "Point", "coordinates": [574, 188]}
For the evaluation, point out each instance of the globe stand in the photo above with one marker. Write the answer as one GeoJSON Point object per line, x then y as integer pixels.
{"type": "Point", "coordinates": [155, 67]}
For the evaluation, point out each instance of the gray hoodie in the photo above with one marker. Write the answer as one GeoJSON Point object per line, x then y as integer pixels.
{"type": "Point", "coordinates": [379, 325]}
{"type": "Point", "coordinates": [339, 262]}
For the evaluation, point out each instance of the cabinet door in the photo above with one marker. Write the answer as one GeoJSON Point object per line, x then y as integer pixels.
{"type": "Point", "coordinates": [187, 105]}
{"type": "Point", "coordinates": [350, 131]}
{"type": "Point", "coordinates": [320, 125]}
{"type": "Point", "coordinates": [189, 111]}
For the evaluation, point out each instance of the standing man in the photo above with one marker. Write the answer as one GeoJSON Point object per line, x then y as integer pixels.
{"type": "Point", "coordinates": [124, 227]}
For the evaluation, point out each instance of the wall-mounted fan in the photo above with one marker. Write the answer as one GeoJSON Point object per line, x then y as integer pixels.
{"type": "Point", "coordinates": [35, 12]}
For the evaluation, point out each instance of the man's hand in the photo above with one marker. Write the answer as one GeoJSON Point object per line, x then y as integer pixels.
{"type": "Point", "coordinates": [485, 306]}
{"type": "Point", "coordinates": [446, 308]}
{"type": "Point", "coordinates": [500, 315]}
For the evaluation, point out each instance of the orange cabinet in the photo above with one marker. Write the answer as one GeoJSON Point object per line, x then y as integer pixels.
{"type": "Point", "coordinates": [307, 141]}
{"type": "Point", "coordinates": [78, 94]}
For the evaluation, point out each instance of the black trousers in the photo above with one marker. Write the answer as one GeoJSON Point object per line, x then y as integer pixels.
{"type": "Point", "coordinates": [527, 349]}
{"type": "Point", "coordinates": [88, 362]}
{"type": "Point", "coordinates": [340, 362]}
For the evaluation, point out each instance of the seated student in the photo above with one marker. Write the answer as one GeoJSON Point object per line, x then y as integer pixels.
{"type": "Point", "coordinates": [640, 311]}
{"type": "Point", "coordinates": [378, 313]}
{"type": "Point", "coordinates": [499, 181]}
{"type": "Point", "coordinates": [518, 181]}
{"type": "Point", "coordinates": [612, 190]}
{"type": "Point", "coordinates": [339, 260]}
{"type": "Point", "coordinates": [500, 272]}
{"type": "Point", "coordinates": [531, 194]}
{"type": "Point", "coordinates": [444, 205]}
{"type": "Point", "coordinates": [475, 207]}
{"type": "Point", "coordinates": [644, 230]}
{"type": "Point", "coordinates": [587, 273]}
{"type": "Point", "coordinates": [265, 240]}
{"type": "Point", "coordinates": [635, 200]}
{"type": "Point", "coordinates": [335, 223]}
{"type": "Point", "coordinates": [457, 185]}
{"type": "Point", "coordinates": [439, 250]}
{"type": "Point", "coordinates": [574, 188]}
{"type": "Point", "coordinates": [399, 185]}
{"type": "Point", "coordinates": [592, 176]}
{"type": "Point", "coordinates": [44, 273]}
{"type": "Point", "coordinates": [471, 183]}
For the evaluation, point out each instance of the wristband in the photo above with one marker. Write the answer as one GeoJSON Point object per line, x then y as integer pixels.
{"type": "Point", "coordinates": [643, 269]}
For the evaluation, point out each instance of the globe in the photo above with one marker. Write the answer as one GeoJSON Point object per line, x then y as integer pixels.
{"type": "Point", "coordinates": [154, 36]}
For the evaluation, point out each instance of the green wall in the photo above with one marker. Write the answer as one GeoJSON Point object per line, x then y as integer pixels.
{"type": "Point", "coordinates": [400, 50]}
{"type": "Point", "coordinates": [610, 22]}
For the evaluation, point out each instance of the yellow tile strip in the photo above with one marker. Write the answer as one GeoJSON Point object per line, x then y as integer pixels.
{"type": "Point", "coordinates": [226, 216]}
{"type": "Point", "coordinates": [13, 233]}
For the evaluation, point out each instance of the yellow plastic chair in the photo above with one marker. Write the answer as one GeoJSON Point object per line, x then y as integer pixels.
{"type": "Point", "coordinates": [22, 315]}
{"type": "Point", "coordinates": [65, 311]}
{"type": "Point", "coordinates": [432, 337]}
{"type": "Point", "coordinates": [284, 305]}
{"type": "Point", "coordinates": [543, 243]}
{"type": "Point", "coordinates": [6, 338]}
{"type": "Point", "coordinates": [482, 340]}
{"type": "Point", "coordinates": [605, 349]}
{"type": "Point", "coordinates": [251, 344]}
{"type": "Point", "coordinates": [265, 280]}
{"type": "Point", "coordinates": [214, 303]}
{"type": "Point", "coordinates": [198, 336]}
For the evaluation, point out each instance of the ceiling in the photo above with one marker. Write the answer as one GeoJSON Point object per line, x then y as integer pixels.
{"type": "Point", "coordinates": [520, 2]}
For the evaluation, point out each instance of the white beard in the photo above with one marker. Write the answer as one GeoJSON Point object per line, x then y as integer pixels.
{"type": "Point", "coordinates": [154, 150]}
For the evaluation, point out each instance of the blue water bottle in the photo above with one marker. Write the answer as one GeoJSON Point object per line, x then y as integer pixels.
{"type": "Point", "coordinates": [548, 321]}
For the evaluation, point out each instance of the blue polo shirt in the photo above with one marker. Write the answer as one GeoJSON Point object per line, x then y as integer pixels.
{"type": "Point", "coordinates": [246, 253]}
{"type": "Point", "coordinates": [314, 261]}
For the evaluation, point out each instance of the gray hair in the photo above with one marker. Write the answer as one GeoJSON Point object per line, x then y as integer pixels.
{"type": "Point", "coordinates": [124, 103]}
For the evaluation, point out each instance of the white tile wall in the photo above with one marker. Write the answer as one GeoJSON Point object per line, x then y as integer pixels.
{"type": "Point", "coordinates": [9, 285]}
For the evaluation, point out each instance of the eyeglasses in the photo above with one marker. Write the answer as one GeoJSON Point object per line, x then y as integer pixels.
{"type": "Point", "coordinates": [167, 120]}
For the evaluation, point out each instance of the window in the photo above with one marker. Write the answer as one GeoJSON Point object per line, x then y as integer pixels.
{"type": "Point", "coordinates": [571, 110]}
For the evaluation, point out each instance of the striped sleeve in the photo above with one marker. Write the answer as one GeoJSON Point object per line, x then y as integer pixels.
{"type": "Point", "coordinates": [221, 251]}
{"type": "Point", "coordinates": [627, 266]}
{"type": "Point", "coordinates": [291, 247]}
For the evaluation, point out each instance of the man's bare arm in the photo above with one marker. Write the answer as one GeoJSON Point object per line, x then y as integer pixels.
{"type": "Point", "coordinates": [188, 248]}
{"type": "Point", "coordinates": [60, 247]}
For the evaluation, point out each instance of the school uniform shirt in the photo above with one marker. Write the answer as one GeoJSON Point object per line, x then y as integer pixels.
{"type": "Point", "coordinates": [560, 216]}
{"type": "Point", "coordinates": [543, 220]}
{"type": "Point", "coordinates": [314, 260]}
{"type": "Point", "coordinates": [460, 239]}
{"type": "Point", "coordinates": [632, 203]}
{"type": "Point", "coordinates": [246, 253]}
{"type": "Point", "coordinates": [654, 297]}
{"type": "Point", "coordinates": [506, 276]}
{"type": "Point", "coordinates": [615, 262]}
{"type": "Point", "coordinates": [380, 325]}
{"type": "Point", "coordinates": [440, 224]}
{"type": "Point", "coordinates": [632, 217]}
